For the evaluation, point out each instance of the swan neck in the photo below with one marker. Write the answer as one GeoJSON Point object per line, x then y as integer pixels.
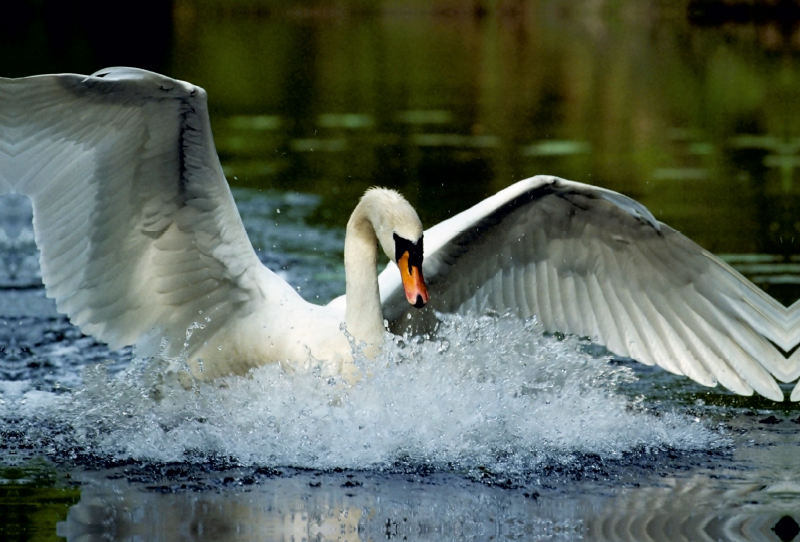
{"type": "Point", "coordinates": [363, 315]}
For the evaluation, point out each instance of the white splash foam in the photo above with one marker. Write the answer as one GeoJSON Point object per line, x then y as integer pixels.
{"type": "Point", "coordinates": [490, 392]}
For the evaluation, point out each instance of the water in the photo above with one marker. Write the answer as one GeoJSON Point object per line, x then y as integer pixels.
{"type": "Point", "coordinates": [489, 429]}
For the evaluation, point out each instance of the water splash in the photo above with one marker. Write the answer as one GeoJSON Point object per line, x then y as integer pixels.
{"type": "Point", "coordinates": [492, 393]}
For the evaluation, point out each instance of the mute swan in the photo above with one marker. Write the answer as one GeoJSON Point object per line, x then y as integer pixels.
{"type": "Point", "coordinates": [141, 243]}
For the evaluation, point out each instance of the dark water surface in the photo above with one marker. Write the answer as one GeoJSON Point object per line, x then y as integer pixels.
{"type": "Point", "coordinates": [312, 105]}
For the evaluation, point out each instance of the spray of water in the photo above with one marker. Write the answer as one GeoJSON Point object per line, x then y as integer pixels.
{"type": "Point", "coordinates": [490, 393]}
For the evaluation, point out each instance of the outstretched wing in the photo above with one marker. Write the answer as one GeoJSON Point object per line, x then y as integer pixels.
{"type": "Point", "coordinates": [6, 99]}
{"type": "Point", "coordinates": [595, 263]}
{"type": "Point", "coordinates": [139, 235]}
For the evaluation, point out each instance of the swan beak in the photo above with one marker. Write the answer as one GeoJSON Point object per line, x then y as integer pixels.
{"type": "Point", "coordinates": [413, 283]}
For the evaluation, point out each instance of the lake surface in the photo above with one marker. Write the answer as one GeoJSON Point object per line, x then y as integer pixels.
{"type": "Point", "coordinates": [491, 430]}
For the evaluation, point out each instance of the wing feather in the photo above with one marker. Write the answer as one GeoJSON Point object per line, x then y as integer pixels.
{"type": "Point", "coordinates": [544, 308]}
{"type": "Point", "coordinates": [584, 307]}
{"type": "Point", "coordinates": [520, 275]}
{"type": "Point", "coordinates": [598, 264]}
{"type": "Point", "coordinates": [139, 235]}
{"type": "Point", "coordinates": [605, 308]}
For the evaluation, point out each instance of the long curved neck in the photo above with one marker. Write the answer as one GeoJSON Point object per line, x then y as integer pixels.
{"type": "Point", "coordinates": [363, 315]}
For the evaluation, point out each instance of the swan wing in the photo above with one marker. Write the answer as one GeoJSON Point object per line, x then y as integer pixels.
{"type": "Point", "coordinates": [139, 235]}
{"type": "Point", "coordinates": [594, 263]}
{"type": "Point", "coordinates": [6, 99]}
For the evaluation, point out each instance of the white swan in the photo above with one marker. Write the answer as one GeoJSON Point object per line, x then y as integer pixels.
{"type": "Point", "coordinates": [141, 241]}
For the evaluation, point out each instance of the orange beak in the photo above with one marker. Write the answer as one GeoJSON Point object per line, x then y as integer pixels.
{"type": "Point", "coordinates": [413, 283]}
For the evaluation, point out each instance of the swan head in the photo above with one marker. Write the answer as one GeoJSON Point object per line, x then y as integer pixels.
{"type": "Point", "coordinates": [399, 232]}
{"type": "Point", "coordinates": [408, 257]}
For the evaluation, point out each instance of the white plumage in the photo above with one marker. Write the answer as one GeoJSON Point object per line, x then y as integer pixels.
{"type": "Point", "coordinates": [141, 241]}
{"type": "Point", "coordinates": [592, 262]}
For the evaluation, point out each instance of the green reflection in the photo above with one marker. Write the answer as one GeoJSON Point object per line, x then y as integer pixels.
{"type": "Point", "coordinates": [33, 498]}
{"type": "Point", "coordinates": [697, 122]}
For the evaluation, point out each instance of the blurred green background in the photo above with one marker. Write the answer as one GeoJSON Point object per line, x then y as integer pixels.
{"type": "Point", "coordinates": [690, 107]}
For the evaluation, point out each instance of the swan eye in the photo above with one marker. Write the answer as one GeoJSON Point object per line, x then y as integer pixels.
{"type": "Point", "coordinates": [414, 250]}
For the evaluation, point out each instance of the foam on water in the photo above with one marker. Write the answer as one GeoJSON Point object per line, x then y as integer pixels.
{"type": "Point", "coordinates": [486, 393]}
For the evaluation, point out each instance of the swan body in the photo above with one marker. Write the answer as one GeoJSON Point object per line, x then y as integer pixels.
{"type": "Point", "coordinates": [141, 243]}
{"type": "Point", "coordinates": [287, 329]}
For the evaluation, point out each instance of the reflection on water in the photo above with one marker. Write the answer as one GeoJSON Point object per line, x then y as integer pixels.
{"type": "Point", "coordinates": [751, 494]}
{"type": "Point", "coordinates": [447, 105]}
{"type": "Point", "coordinates": [726, 500]}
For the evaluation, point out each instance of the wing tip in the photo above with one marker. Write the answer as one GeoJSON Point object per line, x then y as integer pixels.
{"type": "Point", "coordinates": [795, 393]}
{"type": "Point", "coordinates": [775, 393]}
